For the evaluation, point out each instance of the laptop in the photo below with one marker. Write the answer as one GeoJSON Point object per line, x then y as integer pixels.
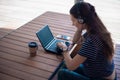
{"type": "Point", "coordinates": [47, 40]}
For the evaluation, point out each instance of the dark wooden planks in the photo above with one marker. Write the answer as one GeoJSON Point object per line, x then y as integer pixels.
{"type": "Point", "coordinates": [19, 74]}
{"type": "Point", "coordinates": [7, 77]}
{"type": "Point", "coordinates": [14, 55]}
{"type": "Point", "coordinates": [23, 68]}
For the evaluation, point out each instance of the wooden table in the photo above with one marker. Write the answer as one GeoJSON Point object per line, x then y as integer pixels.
{"type": "Point", "coordinates": [15, 60]}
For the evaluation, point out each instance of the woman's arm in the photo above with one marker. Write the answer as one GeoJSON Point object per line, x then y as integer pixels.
{"type": "Point", "coordinates": [73, 63]}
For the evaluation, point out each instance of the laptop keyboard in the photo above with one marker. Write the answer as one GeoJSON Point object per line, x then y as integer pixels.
{"type": "Point", "coordinates": [54, 46]}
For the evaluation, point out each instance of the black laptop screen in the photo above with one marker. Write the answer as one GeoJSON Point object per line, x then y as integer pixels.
{"type": "Point", "coordinates": [45, 36]}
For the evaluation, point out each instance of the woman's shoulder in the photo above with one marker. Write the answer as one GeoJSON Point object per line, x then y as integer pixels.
{"type": "Point", "coordinates": [94, 39]}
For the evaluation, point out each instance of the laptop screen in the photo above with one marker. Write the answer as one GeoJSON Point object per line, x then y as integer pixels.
{"type": "Point", "coordinates": [45, 36]}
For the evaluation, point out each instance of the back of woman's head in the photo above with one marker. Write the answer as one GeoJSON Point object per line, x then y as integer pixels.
{"type": "Point", "coordinates": [82, 9]}
{"type": "Point", "coordinates": [86, 11]}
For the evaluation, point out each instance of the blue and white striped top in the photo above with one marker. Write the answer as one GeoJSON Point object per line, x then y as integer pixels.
{"type": "Point", "coordinates": [96, 65]}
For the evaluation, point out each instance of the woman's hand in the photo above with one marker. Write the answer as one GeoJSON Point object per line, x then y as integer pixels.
{"type": "Point", "coordinates": [62, 45]}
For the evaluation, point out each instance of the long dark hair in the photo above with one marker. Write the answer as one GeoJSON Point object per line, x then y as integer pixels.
{"type": "Point", "coordinates": [94, 25]}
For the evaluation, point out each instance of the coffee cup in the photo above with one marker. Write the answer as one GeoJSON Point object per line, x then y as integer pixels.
{"type": "Point", "coordinates": [33, 47]}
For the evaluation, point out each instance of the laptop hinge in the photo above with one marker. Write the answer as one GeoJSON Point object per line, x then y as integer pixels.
{"type": "Point", "coordinates": [47, 46]}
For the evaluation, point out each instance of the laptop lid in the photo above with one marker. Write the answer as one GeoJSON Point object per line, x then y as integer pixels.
{"type": "Point", "coordinates": [45, 36]}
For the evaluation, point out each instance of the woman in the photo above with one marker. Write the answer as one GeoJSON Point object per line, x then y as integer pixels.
{"type": "Point", "coordinates": [94, 60]}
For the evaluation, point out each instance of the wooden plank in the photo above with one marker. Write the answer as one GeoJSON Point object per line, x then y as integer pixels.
{"type": "Point", "coordinates": [27, 61]}
{"type": "Point", "coordinates": [25, 35]}
{"type": "Point", "coordinates": [62, 20]}
{"type": "Point", "coordinates": [19, 74]}
{"type": "Point", "coordinates": [7, 77]}
{"type": "Point", "coordinates": [45, 21]}
{"type": "Point", "coordinates": [54, 14]}
{"type": "Point", "coordinates": [25, 68]}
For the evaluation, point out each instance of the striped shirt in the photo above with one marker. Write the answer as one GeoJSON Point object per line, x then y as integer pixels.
{"type": "Point", "coordinates": [96, 65]}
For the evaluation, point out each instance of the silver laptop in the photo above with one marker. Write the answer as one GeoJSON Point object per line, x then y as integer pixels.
{"type": "Point", "coordinates": [47, 40]}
